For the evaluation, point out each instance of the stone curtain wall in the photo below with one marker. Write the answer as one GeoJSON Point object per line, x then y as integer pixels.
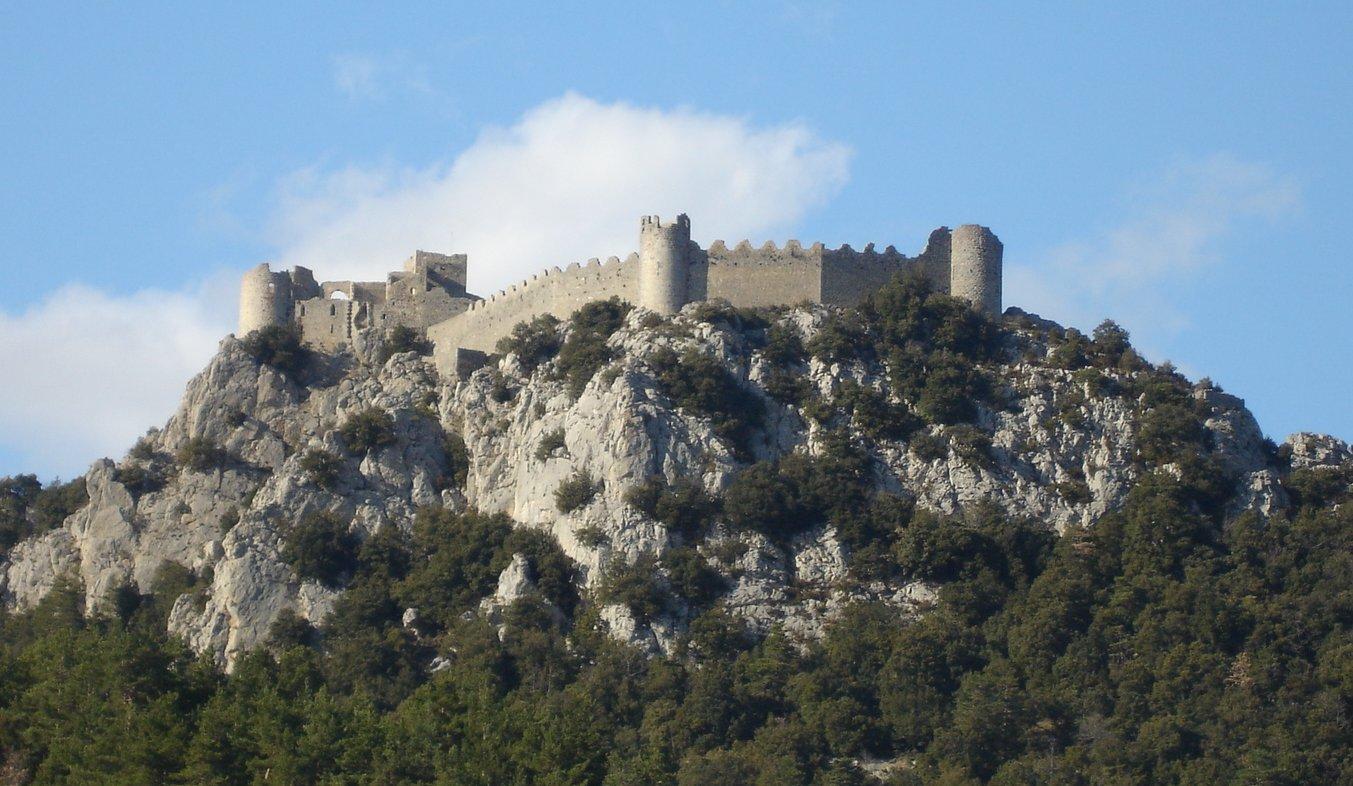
{"type": "Point", "coordinates": [557, 292]}
{"type": "Point", "coordinates": [669, 272]}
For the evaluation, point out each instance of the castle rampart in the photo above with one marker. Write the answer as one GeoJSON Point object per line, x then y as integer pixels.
{"type": "Point", "coordinates": [668, 272]}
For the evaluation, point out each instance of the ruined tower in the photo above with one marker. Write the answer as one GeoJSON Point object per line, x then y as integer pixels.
{"type": "Point", "coordinates": [664, 263]}
{"type": "Point", "coordinates": [975, 267]}
{"type": "Point", "coordinates": [265, 299]}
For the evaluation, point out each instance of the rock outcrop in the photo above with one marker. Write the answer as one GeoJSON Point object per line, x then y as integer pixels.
{"type": "Point", "coordinates": [1060, 450]}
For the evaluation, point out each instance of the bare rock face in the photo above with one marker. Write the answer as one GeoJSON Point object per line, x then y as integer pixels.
{"type": "Point", "coordinates": [1309, 450]}
{"type": "Point", "coordinates": [228, 523]}
{"type": "Point", "coordinates": [1055, 448]}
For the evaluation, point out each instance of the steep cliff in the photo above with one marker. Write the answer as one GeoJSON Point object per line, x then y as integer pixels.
{"type": "Point", "coordinates": [587, 429]}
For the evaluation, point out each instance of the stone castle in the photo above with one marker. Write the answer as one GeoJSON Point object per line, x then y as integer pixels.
{"type": "Point", "coordinates": [668, 272]}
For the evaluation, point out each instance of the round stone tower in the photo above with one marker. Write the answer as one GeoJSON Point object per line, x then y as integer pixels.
{"type": "Point", "coordinates": [664, 261]}
{"type": "Point", "coordinates": [264, 299]}
{"type": "Point", "coordinates": [975, 267]}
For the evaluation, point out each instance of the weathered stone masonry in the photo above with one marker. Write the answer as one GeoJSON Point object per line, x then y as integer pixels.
{"type": "Point", "coordinates": [668, 272]}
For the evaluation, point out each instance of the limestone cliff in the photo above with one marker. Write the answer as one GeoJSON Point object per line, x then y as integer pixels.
{"type": "Point", "coordinates": [1048, 442]}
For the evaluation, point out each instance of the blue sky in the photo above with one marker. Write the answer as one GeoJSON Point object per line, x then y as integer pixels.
{"type": "Point", "coordinates": [1183, 168]}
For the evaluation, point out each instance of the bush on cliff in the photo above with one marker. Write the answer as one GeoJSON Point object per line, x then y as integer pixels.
{"type": "Point", "coordinates": [278, 346]}
{"type": "Point", "coordinates": [701, 385]}
{"type": "Point", "coordinates": [585, 351]}
{"type": "Point", "coordinates": [534, 342]}
{"type": "Point", "coordinates": [403, 338]}
{"type": "Point", "coordinates": [367, 430]}
{"type": "Point", "coordinates": [320, 547]}
{"type": "Point", "coordinates": [27, 508]}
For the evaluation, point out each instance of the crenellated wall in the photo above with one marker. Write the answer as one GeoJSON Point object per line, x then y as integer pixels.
{"type": "Point", "coordinates": [555, 291]}
{"type": "Point", "coordinates": [668, 272]}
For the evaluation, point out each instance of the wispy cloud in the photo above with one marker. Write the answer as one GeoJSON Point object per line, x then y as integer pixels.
{"type": "Point", "coordinates": [566, 182]}
{"type": "Point", "coordinates": [364, 76]}
{"type": "Point", "coordinates": [88, 371]}
{"type": "Point", "coordinates": [1173, 231]}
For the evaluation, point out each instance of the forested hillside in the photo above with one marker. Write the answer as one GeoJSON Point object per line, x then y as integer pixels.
{"type": "Point", "coordinates": [896, 544]}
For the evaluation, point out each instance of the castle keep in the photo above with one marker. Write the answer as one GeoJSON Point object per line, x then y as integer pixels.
{"type": "Point", "coordinates": [668, 272]}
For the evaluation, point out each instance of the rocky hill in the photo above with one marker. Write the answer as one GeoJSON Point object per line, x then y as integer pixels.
{"type": "Point", "coordinates": [646, 478]}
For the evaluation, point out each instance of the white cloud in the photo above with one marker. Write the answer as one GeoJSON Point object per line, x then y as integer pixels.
{"type": "Point", "coordinates": [567, 182]}
{"type": "Point", "coordinates": [1175, 230]}
{"type": "Point", "coordinates": [88, 371]}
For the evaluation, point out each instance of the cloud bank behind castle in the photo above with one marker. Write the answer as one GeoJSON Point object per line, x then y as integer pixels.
{"type": "Point", "coordinates": [563, 183]}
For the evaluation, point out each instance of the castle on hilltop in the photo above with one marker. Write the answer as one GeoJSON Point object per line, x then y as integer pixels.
{"type": "Point", "coordinates": [668, 272]}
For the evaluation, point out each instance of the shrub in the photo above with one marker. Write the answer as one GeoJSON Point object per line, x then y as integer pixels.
{"type": "Point", "coordinates": [534, 342]}
{"type": "Point", "coordinates": [786, 497]}
{"type": "Point", "coordinates": [403, 338]}
{"type": "Point", "coordinates": [143, 450]}
{"type": "Point", "coordinates": [457, 459]}
{"type": "Point", "coordinates": [691, 578]}
{"type": "Point", "coordinates": [140, 479]}
{"type": "Point", "coordinates": [790, 388]}
{"type": "Point", "coordinates": [971, 444]}
{"type": "Point", "coordinates": [591, 536]}
{"type": "Point", "coordinates": [634, 586]}
{"type": "Point", "coordinates": [701, 385]}
{"type": "Point", "coordinates": [320, 547]}
{"type": "Point", "coordinates": [549, 443]}
{"type": "Point", "coordinates": [683, 506]}
{"type": "Point", "coordinates": [950, 390]}
{"type": "Point", "coordinates": [200, 454]}
{"type": "Point", "coordinates": [586, 351]}
{"type": "Point", "coordinates": [28, 509]}
{"type": "Point", "coordinates": [840, 339]}
{"type": "Point", "coordinates": [721, 312]}
{"type": "Point", "coordinates": [278, 346]}
{"type": "Point", "coordinates": [321, 468]}
{"type": "Point", "coordinates": [1315, 487]}
{"type": "Point", "coordinates": [1074, 491]}
{"type": "Point", "coordinates": [929, 447]}
{"type": "Point", "coordinates": [367, 430]}
{"type": "Point", "coordinates": [575, 492]}
{"type": "Point", "coordinates": [784, 346]}
{"type": "Point", "coordinates": [872, 412]}
{"type": "Point", "coordinates": [499, 389]}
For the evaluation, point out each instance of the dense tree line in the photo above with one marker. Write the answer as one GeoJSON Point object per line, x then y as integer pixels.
{"type": "Point", "coordinates": [1156, 646]}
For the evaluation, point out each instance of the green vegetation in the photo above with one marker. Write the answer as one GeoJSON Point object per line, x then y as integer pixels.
{"type": "Point", "coordinates": [368, 430]}
{"type": "Point", "coordinates": [201, 454]}
{"type": "Point", "coordinates": [534, 343]}
{"type": "Point", "coordinates": [403, 338]}
{"type": "Point", "coordinates": [28, 509]}
{"type": "Point", "coordinates": [1168, 642]}
{"type": "Point", "coordinates": [1157, 646]}
{"type": "Point", "coordinates": [320, 547]}
{"type": "Point", "coordinates": [683, 507]}
{"type": "Point", "coordinates": [701, 385]}
{"type": "Point", "coordinates": [575, 492]}
{"type": "Point", "coordinates": [585, 351]}
{"type": "Point", "coordinates": [549, 443]}
{"type": "Point", "coordinates": [458, 458]}
{"type": "Point", "coordinates": [140, 478]}
{"type": "Point", "coordinates": [278, 346]}
{"type": "Point", "coordinates": [322, 468]}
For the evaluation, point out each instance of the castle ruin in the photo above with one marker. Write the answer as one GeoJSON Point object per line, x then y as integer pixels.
{"type": "Point", "coordinates": [667, 272]}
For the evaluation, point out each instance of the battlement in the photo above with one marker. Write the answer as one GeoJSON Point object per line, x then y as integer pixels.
{"type": "Point", "coordinates": [667, 272]}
